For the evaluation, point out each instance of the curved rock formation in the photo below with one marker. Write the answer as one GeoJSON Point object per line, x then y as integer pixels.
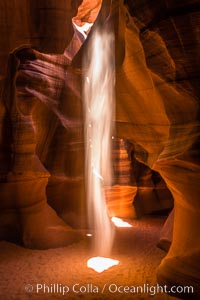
{"type": "Point", "coordinates": [33, 105]}
{"type": "Point", "coordinates": [157, 109]}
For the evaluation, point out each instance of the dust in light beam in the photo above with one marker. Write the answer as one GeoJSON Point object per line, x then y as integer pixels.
{"type": "Point", "coordinates": [99, 111]}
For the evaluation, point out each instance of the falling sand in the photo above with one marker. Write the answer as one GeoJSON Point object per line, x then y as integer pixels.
{"type": "Point", "coordinates": [99, 108]}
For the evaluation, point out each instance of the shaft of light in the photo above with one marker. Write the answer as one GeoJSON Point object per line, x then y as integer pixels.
{"type": "Point", "coordinates": [99, 109]}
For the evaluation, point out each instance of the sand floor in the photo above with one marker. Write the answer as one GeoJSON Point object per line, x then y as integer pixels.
{"type": "Point", "coordinates": [27, 274]}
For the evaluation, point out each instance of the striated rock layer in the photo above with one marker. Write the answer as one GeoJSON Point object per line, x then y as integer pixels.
{"type": "Point", "coordinates": [34, 121]}
{"type": "Point", "coordinates": [157, 110]}
{"type": "Point", "coordinates": [159, 113]}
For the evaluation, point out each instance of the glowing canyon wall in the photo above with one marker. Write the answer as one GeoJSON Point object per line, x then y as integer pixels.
{"type": "Point", "coordinates": [157, 112]}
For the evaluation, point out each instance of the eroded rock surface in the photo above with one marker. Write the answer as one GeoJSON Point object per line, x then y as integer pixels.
{"type": "Point", "coordinates": [157, 106]}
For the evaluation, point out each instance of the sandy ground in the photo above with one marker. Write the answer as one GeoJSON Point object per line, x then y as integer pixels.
{"type": "Point", "coordinates": [23, 271]}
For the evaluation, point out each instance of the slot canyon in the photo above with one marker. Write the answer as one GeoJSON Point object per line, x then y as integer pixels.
{"type": "Point", "coordinates": [46, 232]}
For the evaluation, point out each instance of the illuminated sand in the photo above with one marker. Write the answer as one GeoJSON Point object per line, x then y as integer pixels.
{"type": "Point", "coordinates": [134, 247]}
{"type": "Point", "coordinates": [120, 223]}
{"type": "Point", "coordinates": [100, 264]}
